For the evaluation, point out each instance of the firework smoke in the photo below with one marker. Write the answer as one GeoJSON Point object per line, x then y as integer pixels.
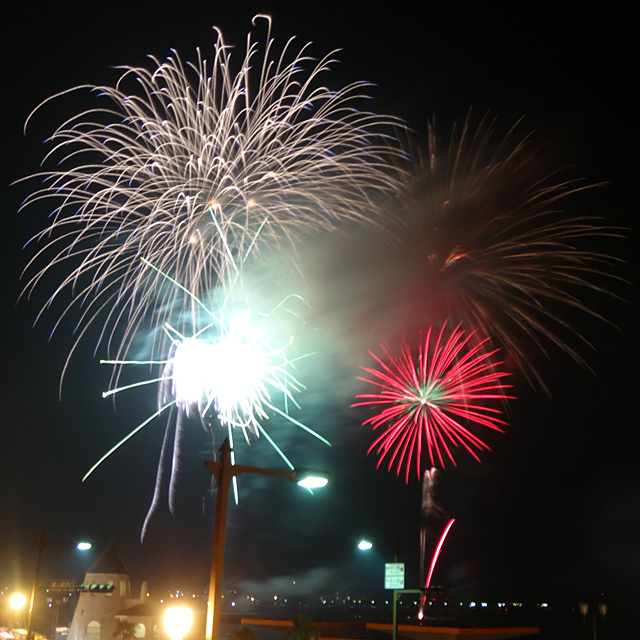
{"type": "Point", "coordinates": [485, 241]}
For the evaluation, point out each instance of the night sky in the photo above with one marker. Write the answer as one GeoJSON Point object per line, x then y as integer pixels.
{"type": "Point", "coordinates": [554, 509]}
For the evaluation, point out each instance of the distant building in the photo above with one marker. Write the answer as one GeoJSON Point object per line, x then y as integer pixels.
{"type": "Point", "coordinates": [105, 605]}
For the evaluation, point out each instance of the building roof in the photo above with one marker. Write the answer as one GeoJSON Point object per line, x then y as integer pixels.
{"type": "Point", "coordinates": [108, 562]}
{"type": "Point", "coordinates": [141, 610]}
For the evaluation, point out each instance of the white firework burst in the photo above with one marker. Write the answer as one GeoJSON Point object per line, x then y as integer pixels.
{"type": "Point", "coordinates": [193, 168]}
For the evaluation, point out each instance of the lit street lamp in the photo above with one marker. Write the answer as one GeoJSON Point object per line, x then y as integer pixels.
{"type": "Point", "coordinates": [177, 622]}
{"type": "Point", "coordinates": [42, 543]}
{"type": "Point", "coordinates": [366, 545]}
{"type": "Point", "coordinates": [17, 601]}
{"type": "Point", "coordinates": [225, 470]}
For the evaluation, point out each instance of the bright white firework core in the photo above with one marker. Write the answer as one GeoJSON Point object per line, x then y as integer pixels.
{"type": "Point", "coordinates": [229, 372]}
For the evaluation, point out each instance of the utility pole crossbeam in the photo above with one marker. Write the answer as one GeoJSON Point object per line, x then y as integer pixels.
{"type": "Point", "coordinates": [224, 471]}
{"type": "Point", "coordinates": [41, 544]}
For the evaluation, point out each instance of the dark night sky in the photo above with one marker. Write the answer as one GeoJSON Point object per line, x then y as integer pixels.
{"type": "Point", "coordinates": [553, 510]}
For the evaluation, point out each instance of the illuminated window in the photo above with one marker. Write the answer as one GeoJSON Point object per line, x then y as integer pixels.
{"type": "Point", "coordinates": [93, 631]}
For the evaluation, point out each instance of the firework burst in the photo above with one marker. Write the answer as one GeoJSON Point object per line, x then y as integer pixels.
{"type": "Point", "coordinates": [194, 167]}
{"type": "Point", "coordinates": [233, 370]}
{"type": "Point", "coordinates": [431, 400]}
{"type": "Point", "coordinates": [484, 241]}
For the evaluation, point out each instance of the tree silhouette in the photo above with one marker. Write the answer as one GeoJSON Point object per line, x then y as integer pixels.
{"type": "Point", "coordinates": [125, 630]}
{"type": "Point", "coordinates": [244, 633]}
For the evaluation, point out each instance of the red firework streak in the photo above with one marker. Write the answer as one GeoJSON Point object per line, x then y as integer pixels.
{"type": "Point", "coordinates": [455, 381]}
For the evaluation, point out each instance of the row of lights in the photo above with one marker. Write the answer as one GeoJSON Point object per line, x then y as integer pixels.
{"type": "Point", "coordinates": [177, 620]}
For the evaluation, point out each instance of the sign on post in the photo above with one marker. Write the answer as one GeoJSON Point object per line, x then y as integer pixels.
{"type": "Point", "coordinates": [394, 575]}
{"type": "Point", "coordinates": [62, 586]}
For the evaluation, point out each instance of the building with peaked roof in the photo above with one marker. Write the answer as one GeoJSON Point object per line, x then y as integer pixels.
{"type": "Point", "coordinates": [105, 605]}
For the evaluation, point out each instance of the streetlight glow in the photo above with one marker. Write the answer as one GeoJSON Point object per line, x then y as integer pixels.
{"type": "Point", "coordinates": [177, 622]}
{"type": "Point", "coordinates": [311, 480]}
{"type": "Point", "coordinates": [365, 545]}
{"type": "Point", "coordinates": [83, 546]}
{"type": "Point", "coordinates": [224, 471]}
{"type": "Point", "coordinates": [17, 601]}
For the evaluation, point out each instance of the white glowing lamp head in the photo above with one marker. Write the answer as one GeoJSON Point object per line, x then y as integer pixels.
{"type": "Point", "coordinates": [312, 480]}
{"type": "Point", "coordinates": [365, 545]}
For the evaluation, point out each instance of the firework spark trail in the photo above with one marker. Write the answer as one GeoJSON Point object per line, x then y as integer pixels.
{"type": "Point", "coordinates": [231, 365]}
{"type": "Point", "coordinates": [484, 241]}
{"type": "Point", "coordinates": [230, 372]}
{"type": "Point", "coordinates": [425, 398]}
{"type": "Point", "coordinates": [431, 510]}
{"type": "Point", "coordinates": [194, 167]}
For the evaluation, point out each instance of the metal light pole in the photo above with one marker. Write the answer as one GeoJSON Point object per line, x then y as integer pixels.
{"type": "Point", "coordinates": [41, 544]}
{"type": "Point", "coordinates": [224, 470]}
{"type": "Point", "coordinates": [396, 594]}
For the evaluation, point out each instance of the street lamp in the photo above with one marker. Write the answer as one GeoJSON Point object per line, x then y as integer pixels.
{"type": "Point", "coordinates": [42, 543]}
{"type": "Point", "coordinates": [602, 610]}
{"type": "Point", "coordinates": [17, 601]}
{"type": "Point", "coordinates": [177, 622]}
{"type": "Point", "coordinates": [366, 545]}
{"type": "Point", "coordinates": [225, 470]}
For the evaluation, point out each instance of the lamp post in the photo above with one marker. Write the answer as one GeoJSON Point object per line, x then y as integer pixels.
{"type": "Point", "coordinates": [42, 543]}
{"type": "Point", "coordinates": [602, 610]}
{"type": "Point", "coordinates": [396, 596]}
{"type": "Point", "coordinates": [366, 545]}
{"type": "Point", "coordinates": [224, 470]}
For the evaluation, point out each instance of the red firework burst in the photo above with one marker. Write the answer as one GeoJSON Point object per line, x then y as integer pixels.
{"type": "Point", "coordinates": [455, 381]}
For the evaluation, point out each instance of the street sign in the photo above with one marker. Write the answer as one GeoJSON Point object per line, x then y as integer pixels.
{"type": "Point", "coordinates": [394, 575]}
{"type": "Point", "coordinates": [62, 586]}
